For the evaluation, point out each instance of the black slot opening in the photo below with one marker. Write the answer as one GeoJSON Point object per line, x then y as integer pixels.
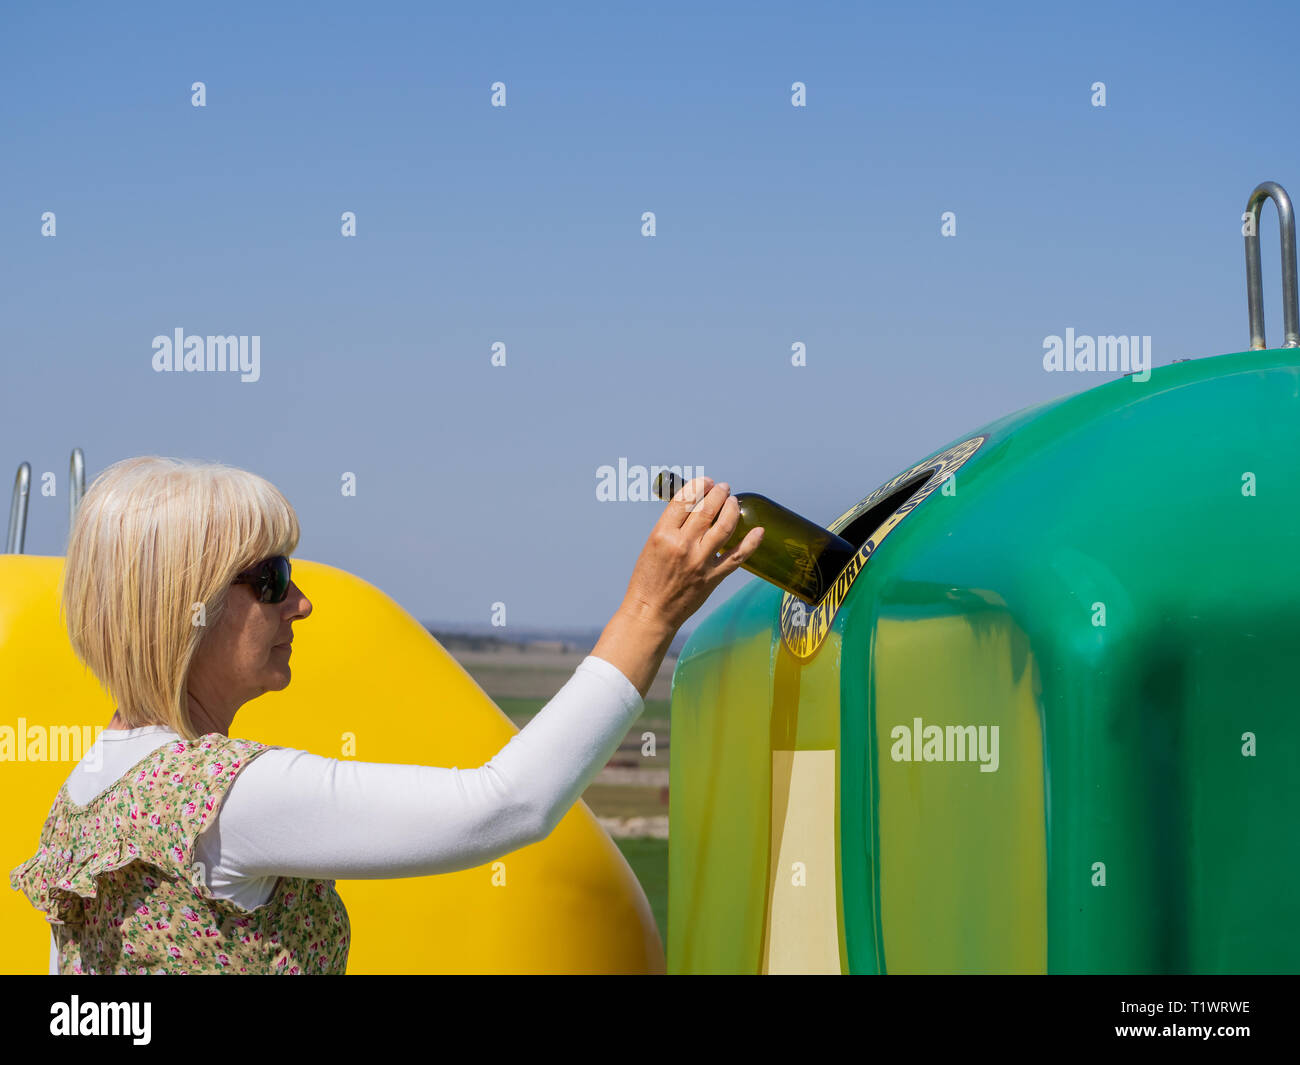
{"type": "Point", "coordinates": [860, 528]}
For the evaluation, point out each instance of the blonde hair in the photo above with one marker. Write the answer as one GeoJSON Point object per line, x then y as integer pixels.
{"type": "Point", "coordinates": [153, 538]}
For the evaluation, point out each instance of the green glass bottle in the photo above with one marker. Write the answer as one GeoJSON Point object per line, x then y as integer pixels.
{"type": "Point", "coordinates": [795, 554]}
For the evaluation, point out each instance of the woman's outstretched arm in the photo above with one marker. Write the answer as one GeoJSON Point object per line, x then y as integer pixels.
{"type": "Point", "coordinates": [292, 813]}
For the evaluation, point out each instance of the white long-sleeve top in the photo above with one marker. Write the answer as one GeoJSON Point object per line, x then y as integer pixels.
{"type": "Point", "coordinates": [293, 813]}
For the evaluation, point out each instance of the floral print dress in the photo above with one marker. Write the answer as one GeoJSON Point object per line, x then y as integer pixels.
{"type": "Point", "coordinates": [118, 882]}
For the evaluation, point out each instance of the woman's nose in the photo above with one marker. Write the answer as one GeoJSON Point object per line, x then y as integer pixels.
{"type": "Point", "coordinates": [302, 605]}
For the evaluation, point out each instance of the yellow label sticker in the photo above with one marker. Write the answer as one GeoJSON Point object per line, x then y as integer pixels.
{"type": "Point", "coordinates": [803, 629]}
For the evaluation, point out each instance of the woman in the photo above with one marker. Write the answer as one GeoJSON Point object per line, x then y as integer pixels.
{"type": "Point", "coordinates": [173, 847]}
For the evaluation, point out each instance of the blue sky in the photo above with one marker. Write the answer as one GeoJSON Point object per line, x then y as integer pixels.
{"type": "Point", "coordinates": [476, 224]}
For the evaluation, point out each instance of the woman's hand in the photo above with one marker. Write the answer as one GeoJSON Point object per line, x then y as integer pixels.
{"type": "Point", "coordinates": [674, 575]}
{"type": "Point", "coordinates": [677, 570]}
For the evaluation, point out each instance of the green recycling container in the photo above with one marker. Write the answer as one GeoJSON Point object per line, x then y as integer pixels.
{"type": "Point", "coordinates": [1047, 720]}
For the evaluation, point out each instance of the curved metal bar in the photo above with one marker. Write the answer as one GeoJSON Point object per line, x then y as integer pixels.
{"type": "Point", "coordinates": [1254, 288]}
{"type": "Point", "coordinates": [18, 510]}
{"type": "Point", "coordinates": [76, 484]}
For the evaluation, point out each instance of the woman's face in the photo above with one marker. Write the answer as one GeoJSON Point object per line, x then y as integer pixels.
{"type": "Point", "coordinates": [247, 652]}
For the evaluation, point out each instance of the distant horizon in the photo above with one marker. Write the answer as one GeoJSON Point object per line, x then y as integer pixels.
{"type": "Point", "coordinates": [532, 634]}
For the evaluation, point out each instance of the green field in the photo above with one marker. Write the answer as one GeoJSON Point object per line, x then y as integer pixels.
{"type": "Point", "coordinates": [649, 861]}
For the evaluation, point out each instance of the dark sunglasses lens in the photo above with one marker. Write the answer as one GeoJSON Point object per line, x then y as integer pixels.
{"type": "Point", "coordinates": [276, 588]}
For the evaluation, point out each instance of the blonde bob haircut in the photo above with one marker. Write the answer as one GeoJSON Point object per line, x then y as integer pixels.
{"type": "Point", "coordinates": [153, 549]}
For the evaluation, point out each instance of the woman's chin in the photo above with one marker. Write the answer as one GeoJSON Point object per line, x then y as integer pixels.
{"type": "Point", "coordinates": [279, 677]}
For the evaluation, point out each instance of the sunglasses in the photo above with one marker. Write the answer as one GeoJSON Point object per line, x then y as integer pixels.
{"type": "Point", "coordinates": [269, 578]}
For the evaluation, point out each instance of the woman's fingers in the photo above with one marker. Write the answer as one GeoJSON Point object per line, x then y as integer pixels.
{"type": "Point", "coordinates": [720, 533]}
{"type": "Point", "coordinates": [679, 566]}
{"type": "Point", "coordinates": [711, 520]}
{"type": "Point", "coordinates": [686, 498]}
{"type": "Point", "coordinates": [737, 556]}
{"type": "Point", "coordinates": [702, 515]}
